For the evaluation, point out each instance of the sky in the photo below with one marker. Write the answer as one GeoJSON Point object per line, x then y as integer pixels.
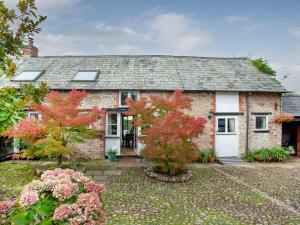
{"type": "Point", "coordinates": [233, 28]}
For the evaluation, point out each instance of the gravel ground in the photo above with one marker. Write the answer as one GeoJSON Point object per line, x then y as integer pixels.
{"type": "Point", "coordinates": [209, 198]}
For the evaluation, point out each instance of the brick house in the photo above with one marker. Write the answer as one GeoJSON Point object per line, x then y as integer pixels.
{"type": "Point", "coordinates": [237, 100]}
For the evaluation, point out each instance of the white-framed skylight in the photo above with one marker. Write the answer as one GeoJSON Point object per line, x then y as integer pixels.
{"type": "Point", "coordinates": [31, 75]}
{"type": "Point", "coordinates": [86, 75]}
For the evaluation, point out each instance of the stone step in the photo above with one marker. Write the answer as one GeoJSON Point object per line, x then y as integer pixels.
{"type": "Point", "coordinates": [231, 160]}
{"type": "Point", "coordinates": [94, 173]}
{"type": "Point", "coordinates": [100, 178]}
{"type": "Point", "coordinates": [113, 172]}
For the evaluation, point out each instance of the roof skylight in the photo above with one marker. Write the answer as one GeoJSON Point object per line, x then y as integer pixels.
{"type": "Point", "coordinates": [28, 75]}
{"type": "Point", "coordinates": [86, 75]}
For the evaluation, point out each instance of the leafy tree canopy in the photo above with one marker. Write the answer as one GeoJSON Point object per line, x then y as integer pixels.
{"type": "Point", "coordinates": [169, 130]}
{"type": "Point", "coordinates": [263, 66]}
{"type": "Point", "coordinates": [62, 123]}
{"type": "Point", "coordinates": [15, 25]}
{"type": "Point", "coordinates": [13, 102]}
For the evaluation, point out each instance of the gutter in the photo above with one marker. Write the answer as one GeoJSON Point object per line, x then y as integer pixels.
{"type": "Point", "coordinates": [247, 121]}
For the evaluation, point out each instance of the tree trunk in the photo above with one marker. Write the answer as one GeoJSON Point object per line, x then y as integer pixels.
{"type": "Point", "coordinates": [59, 160]}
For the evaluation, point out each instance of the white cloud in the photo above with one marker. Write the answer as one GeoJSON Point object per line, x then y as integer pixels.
{"type": "Point", "coordinates": [236, 19]}
{"type": "Point", "coordinates": [47, 6]}
{"type": "Point", "coordinates": [56, 44]}
{"type": "Point", "coordinates": [168, 33]}
{"type": "Point", "coordinates": [295, 32]}
{"type": "Point", "coordinates": [177, 31]}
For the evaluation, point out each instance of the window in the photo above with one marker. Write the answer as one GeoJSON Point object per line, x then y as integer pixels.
{"type": "Point", "coordinates": [88, 75]}
{"type": "Point", "coordinates": [112, 124]}
{"type": "Point", "coordinates": [28, 75]}
{"type": "Point", "coordinates": [221, 125]}
{"type": "Point", "coordinates": [127, 94]}
{"type": "Point", "coordinates": [261, 123]}
{"type": "Point", "coordinates": [226, 125]}
{"type": "Point", "coordinates": [34, 115]}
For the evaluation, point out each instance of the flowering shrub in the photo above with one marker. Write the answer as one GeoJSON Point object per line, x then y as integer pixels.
{"type": "Point", "coordinates": [61, 196]}
{"type": "Point", "coordinates": [5, 207]}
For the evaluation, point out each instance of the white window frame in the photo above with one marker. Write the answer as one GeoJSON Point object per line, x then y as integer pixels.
{"type": "Point", "coordinates": [267, 123]}
{"type": "Point", "coordinates": [226, 124]}
{"type": "Point", "coordinates": [33, 112]}
{"type": "Point", "coordinates": [118, 125]}
{"type": "Point", "coordinates": [129, 94]}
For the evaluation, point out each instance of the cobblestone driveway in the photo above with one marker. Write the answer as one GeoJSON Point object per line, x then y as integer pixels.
{"type": "Point", "coordinates": [215, 195]}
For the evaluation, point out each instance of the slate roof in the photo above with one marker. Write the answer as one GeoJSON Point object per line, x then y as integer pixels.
{"type": "Point", "coordinates": [291, 104]}
{"type": "Point", "coordinates": [138, 72]}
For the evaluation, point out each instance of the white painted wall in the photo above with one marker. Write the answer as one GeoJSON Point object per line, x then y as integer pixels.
{"type": "Point", "coordinates": [114, 143]}
{"type": "Point", "coordinates": [227, 102]}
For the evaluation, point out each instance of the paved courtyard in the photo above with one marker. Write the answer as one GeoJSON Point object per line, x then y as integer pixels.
{"type": "Point", "coordinates": [248, 194]}
{"type": "Point", "coordinates": [241, 194]}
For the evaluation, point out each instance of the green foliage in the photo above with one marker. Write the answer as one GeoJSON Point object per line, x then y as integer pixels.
{"type": "Point", "coordinates": [42, 209]}
{"type": "Point", "coordinates": [35, 94]}
{"type": "Point", "coordinates": [112, 152]}
{"type": "Point", "coordinates": [13, 102]}
{"type": "Point", "coordinates": [47, 147]}
{"type": "Point", "coordinates": [276, 154]}
{"type": "Point", "coordinates": [263, 66]}
{"type": "Point", "coordinates": [207, 156]}
{"type": "Point", "coordinates": [15, 25]}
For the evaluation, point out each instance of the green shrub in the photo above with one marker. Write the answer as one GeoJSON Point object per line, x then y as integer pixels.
{"type": "Point", "coordinates": [249, 157]}
{"type": "Point", "coordinates": [275, 154]}
{"type": "Point", "coordinates": [263, 66]}
{"type": "Point", "coordinates": [207, 156]}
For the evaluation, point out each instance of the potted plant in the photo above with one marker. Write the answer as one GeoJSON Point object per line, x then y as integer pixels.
{"type": "Point", "coordinates": [112, 155]}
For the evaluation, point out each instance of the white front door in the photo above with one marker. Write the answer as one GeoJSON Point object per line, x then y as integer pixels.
{"type": "Point", "coordinates": [226, 140]}
{"type": "Point", "coordinates": [113, 132]}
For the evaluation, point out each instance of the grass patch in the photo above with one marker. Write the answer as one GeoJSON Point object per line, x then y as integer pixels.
{"type": "Point", "coordinates": [13, 177]}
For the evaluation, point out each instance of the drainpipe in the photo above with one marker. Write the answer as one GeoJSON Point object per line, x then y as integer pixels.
{"type": "Point", "coordinates": [247, 121]}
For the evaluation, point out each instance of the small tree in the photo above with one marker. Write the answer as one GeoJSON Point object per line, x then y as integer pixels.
{"type": "Point", "coordinates": [169, 130]}
{"type": "Point", "coordinates": [62, 124]}
{"type": "Point", "coordinates": [15, 25]}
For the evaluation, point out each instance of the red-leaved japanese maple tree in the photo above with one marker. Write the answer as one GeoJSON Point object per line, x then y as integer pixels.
{"type": "Point", "coordinates": [62, 124]}
{"type": "Point", "coordinates": [168, 130]}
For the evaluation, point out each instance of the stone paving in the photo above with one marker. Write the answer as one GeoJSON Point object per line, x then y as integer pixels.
{"type": "Point", "coordinates": [253, 193]}
{"type": "Point", "coordinates": [216, 194]}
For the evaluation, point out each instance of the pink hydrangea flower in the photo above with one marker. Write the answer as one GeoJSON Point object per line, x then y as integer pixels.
{"type": "Point", "coordinates": [65, 190]}
{"type": "Point", "coordinates": [90, 202]}
{"type": "Point", "coordinates": [66, 173]}
{"type": "Point", "coordinates": [5, 207]}
{"type": "Point", "coordinates": [28, 198]}
{"type": "Point", "coordinates": [49, 185]}
{"type": "Point", "coordinates": [64, 211]}
{"type": "Point", "coordinates": [91, 186]}
{"type": "Point", "coordinates": [79, 177]}
{"type": "Point", "coordinates": [35, 185]}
